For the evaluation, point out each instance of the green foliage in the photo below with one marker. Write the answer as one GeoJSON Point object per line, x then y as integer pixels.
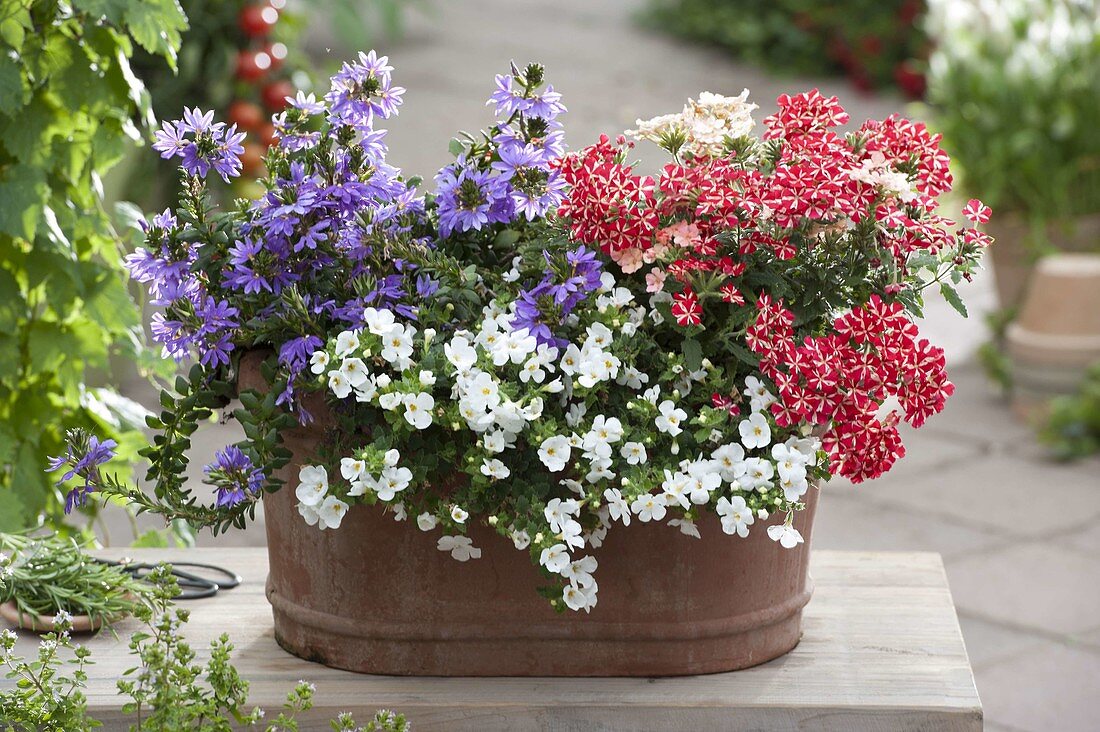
{"type": "Point", "coordinates": [167, 691]}
{"type": "Point", "coordinates": [51, 574]}
{"type": "Point", "coordinates": [1072, 429]}
{"type": "Point", "coordinates": [1016, 91]}
{"type": "Point", "coordinates": [872, 42]}
{"type": "Point", "coordinates": [68, 98]}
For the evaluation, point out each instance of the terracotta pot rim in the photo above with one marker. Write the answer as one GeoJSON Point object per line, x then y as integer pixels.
{"type": "Point", "coordinates": [1057, 341]}
{"type": "Point", "coordinates": [541, 631]}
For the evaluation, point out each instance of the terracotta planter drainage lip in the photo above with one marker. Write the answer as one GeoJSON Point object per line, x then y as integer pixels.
{"type": "Point", "coordinates": [535, 631]}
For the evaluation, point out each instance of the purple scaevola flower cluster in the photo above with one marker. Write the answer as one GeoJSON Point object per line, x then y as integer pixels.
{"type": "Point", "coordinates": [521, 181]}
{"type": "Point", "coordinates": [202, 143]}
{"type": "Point", "coordinates": [84, 454]}
{"type": "Point", "coordinates": [234, 475]}
{"type": "Point", "coordinates": [203, 324]}
{"type": "Point", "coordinates": [164, 267]}
{"type": "Point", "coordinates": [362, 91]}
{"type": "Point", "coordinates": [562, 287]}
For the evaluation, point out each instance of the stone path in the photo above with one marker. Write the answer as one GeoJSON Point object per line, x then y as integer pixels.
{"type": "Point", "coordinates": [1019, 534]}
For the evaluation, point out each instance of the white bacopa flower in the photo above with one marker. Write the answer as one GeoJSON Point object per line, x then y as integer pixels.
{"type": "Point", "coordinates": [554, 387]}
{"type": "Point", "coordinates": [418, 409]}
{"type": "Point", "coordinates": [758, 474]}
{"type": "Point", "coordinates": [652, 394]}
{"type": "Point", "coordinates": [494, 441]}
{"type": "Point", "coordinates": [521, 539]}
{"type": "Point", "coordinates": [571, 534]}
{"type": "Point", "coordinates": [579, 598]}
{"type": "Point", "coordinates": [390, 458]}
{"type": "Point", "coordinates": [379, 322]}
{"type": "Point", "coordinates": [347, 343]}
{"type": "Point", "coordinates": [580, 571]}
{"type": "Point", "coordinates": [495, 469]}
{"type": "Point", "coordinates": [427, 378]}
{"type": "Point", "coordinates": [632, 377]}
{"type": "Point", "coordinates": [755, 431]}
{"type": "Point", "coordinates": [790, 463]}
{"type": "Point", "coordinates": [575, 414]}
{"type": "Point", "coordinates": [555, 558]}
{"type": "Point", "coordinates": [558, 511]}
{"type": "Point", "coordinates": [308, 513]}
{"type": "Point", "coordinates": [461, 353]}
{"type": "Point", "coordinates": [312, 484]}
{"type": "Point", "coordinates": [759, 396]}
{"type": "Point", "coordinates": [426, 521]}
{"type": "Point", "coordinates": [670, 418]}
{"type": "Point", "coordinates": [318, 362]}
{"type": "Point", "coordinates": [459, 515]}
{"type": "Point", "coordinates": [649, 507]}
{"type": "Point", "coordinates": [555, 452]}
{"type": "Point", "coordinates": [634, 453]}
{"type": "Point", "coordinates": [570, 360]}
{"type": "Point", "coordinates": [352, 469]}
{"type": "Point", "coordinates": [392, 481]}
{"type": "Point", "coordinates": [600, 470]}
{"type": "Point", "coordinates": [735, 514]}
{"type": "Point", "coordinates": [397, 343]}
{"type": "Point", "coordinates": [703, 479]}
{"type": "Point", "coordinates": [787, 535]}
{"type": "Point", "coordinates": [686, 526]}
{"type": "Point", "coordinates": [607, 281]}
{"type": "Point", "coordinates": [355, 371]}
{"type": "Point", "coordinates": [617, 507]}
{"type": "Point", "coordinates": [461, 547]}
{"type": "Point", "coordinates": [367, 391]}
{"type": "Point", "coordinates": [675, 489]}
{"type": "Point", "coordinates": [793, 489]}
{"type": "Point", "coordinates": [391, 401]}
{"type": "Point", "coordinates": [338, 384]}
{"type": "Point", "coordinates": [482, 392]}
{"type": "Point", "coordinates": [728, 458]}
{"type": "Point", "coordinates": [399, 512]}
{"type": "Point", "coordinates": [331, 512]}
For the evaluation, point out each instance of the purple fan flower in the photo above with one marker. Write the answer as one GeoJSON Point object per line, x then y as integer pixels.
{"type": "Point", "coordinates": [535, 189]}
{"type": "Point", "coordinates": [360, 91]}
{"type": "Point", "coordinates": [469, 198]}
{"type": "Point", "coordinates": [507, 98]}
{"type": "Point", "coordinates": [234, 475]}
{"type": "Point", "coordinates": [212, 145]}
{"type": "Point", "coordinates": [84, 454]}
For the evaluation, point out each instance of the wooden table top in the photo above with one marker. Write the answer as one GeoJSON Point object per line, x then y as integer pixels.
{"type": "Point", "coordinates": [881, 650]}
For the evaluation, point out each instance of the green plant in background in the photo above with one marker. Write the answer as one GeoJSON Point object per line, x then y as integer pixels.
{"type": "Point", "coordinates": [70, 106]}
{"type": "Point", "coordinates": [1016, 89]}
{"type": "Point", "coordinates": [51, 574]}
{"type": "Point", "coordinates": [1072, 429]}
{"type": "Point", "coordinates": [875, 43]}
{"type": "Point", "coordinates": [166, 691]}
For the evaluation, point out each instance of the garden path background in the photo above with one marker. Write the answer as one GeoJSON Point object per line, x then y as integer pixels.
{"type": "Point", "coordinates": [1019, 534]}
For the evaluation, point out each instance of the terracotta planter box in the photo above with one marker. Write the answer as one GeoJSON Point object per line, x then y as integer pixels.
{"type": "Point", "coordinates": [376, 596]}
{"type": "Point", "coordinates": [1013, 258]}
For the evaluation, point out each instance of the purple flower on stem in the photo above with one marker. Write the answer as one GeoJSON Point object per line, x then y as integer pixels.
{"type": "Point", "coordinates": [84, 454]}
{"type": "Point", "coordinates": [469, 198]}
{"type": "Point", "coordinates": [534, 188]}
{"type": "Point", "coordinates": [211, 145]}
{"type": "Point", "coordinates": [360, 91]}
{"type": "Point", "coordinates": [234, 475]}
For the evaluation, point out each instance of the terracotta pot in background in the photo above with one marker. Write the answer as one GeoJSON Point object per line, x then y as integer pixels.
{"type": "Point", "coordinates": [1056, 335]}
{"type": "Point", "coordinates": [1013, 256]}
{"type": "Point", "coordinates": [376, 596]}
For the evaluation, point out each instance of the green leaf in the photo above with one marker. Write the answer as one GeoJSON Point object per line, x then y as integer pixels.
{"type": "Point", "coordinates": [11, 511]}
{"type": "Point", "coordinates": [12, 306]}
{"type": "Point", "coordinates": [23, 191]}
{"type": "Point", "coordinates": [693, 354]}
{"type": "Point", "coordinates": [111, 10]}
{"type": "Point", "coordinates": [951, 295]}
{"type": "Point", "coordinates": [12, 92]}
{"type": "Point", "coordinates": [456, 147]}
{"type": "Point", "coordinates": [156, 26]}
{"type": "Point", "coordinates": [152, 539]}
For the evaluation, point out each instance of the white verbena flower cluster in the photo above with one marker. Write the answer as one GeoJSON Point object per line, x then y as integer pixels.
{"type": "Point", "coordinates": [703, 126]}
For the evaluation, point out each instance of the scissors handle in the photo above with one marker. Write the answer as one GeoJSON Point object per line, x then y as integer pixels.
{"type": "Point", "coordinates": [192, 586]}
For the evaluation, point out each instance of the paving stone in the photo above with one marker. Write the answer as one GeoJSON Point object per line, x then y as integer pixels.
{"type": "Point", "coordinates": [847, 522]}
{"type": "Point", "coordinates": [1051, 687]}
{"type": "Point", "coordinates": [1085, 538]}
{"type": "Point", "coordinates": [988, 643]}
{"type": "Point", "coordinates": [1026, 498]}
{"type": "Point", "coordinates": [1036, 585]}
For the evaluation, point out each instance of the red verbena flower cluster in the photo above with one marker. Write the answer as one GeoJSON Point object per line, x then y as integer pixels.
{"type": "Point", "coordinates": [871, 194]}
{"type": "Point", "coordinates": [842, 379]}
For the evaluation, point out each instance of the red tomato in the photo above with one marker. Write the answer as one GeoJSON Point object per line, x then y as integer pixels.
{"type": "Point", "coordinates": [252, 66]}
{"type": "Point", "coordinates": [275, 94]}
{"type": "Point", "coordinates": [257, 20]}
{"type": "Point", "coordinates": [246, 115]}
{"type": "Point", "coordinates": [252, 160]}
{"type": "Point", "coordinates": [267, 135]}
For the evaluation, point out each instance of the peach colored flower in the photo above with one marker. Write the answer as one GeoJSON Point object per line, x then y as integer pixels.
{"type": "Point", "coordinates": [655, 280]}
